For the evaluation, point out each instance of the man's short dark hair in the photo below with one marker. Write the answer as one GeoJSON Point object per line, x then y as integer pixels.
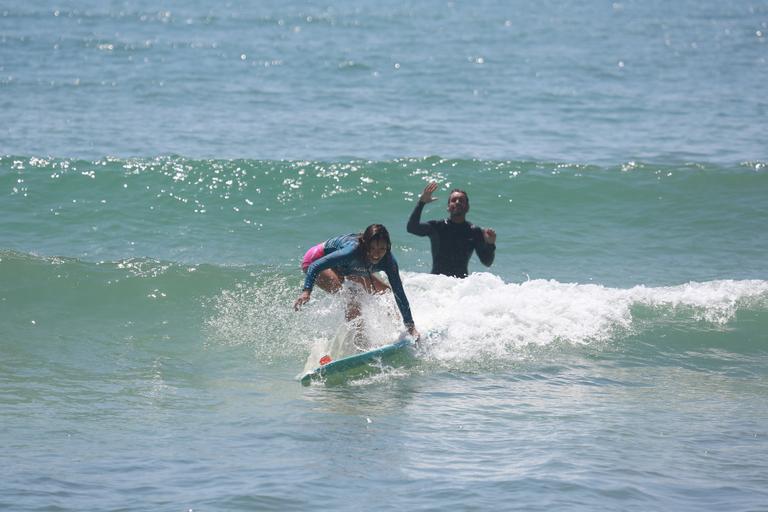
{"type": "Point", "coordinates": [466, 196]}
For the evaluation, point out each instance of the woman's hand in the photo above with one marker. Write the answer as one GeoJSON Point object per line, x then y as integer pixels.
{"type": "Point", "coordinates": [414, 333]}
{"type": "Point", "coordinates": [303, 299]}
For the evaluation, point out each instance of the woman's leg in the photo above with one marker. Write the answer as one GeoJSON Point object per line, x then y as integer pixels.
{"type": "Point", "coordinates": [371, 285]}
{"type": "Point", "coordinates": [378, 286]}
{"type": "Point", "coordinates": [331, 281]}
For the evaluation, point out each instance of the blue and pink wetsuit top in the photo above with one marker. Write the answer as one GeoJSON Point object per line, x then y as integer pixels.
{"type": "Point", "coordinates": [342, 255]}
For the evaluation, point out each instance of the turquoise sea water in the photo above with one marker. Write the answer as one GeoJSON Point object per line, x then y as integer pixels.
{"type": "Point", "coordinates": [165, 166]}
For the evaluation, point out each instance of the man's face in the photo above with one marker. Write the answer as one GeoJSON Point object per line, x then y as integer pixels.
{"type": "Point", "coordinates": [457, 204]}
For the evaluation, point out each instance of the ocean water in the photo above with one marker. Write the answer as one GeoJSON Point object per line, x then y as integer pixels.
{"type": "Point", "coordinates": [163, 168]}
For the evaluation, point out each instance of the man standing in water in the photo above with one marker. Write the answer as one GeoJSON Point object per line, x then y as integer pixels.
{"type": "Point", "coordinates": [453, 239]}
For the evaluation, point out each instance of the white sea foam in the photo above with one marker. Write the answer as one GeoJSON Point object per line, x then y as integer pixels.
{"type": "Point", "coordinates": [484, 316]}
{"type": "Point", "coordinates": [477, 318]}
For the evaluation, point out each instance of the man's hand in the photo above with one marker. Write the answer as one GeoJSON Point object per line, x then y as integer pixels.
{"type": "Point", "coordinates": [489, 236]}
{"type": "Point", "coordinates": [426, 196]}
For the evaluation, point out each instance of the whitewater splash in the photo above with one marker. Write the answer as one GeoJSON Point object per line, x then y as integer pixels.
{"type": "Point", "coordinates": [483, 318]}
{"type": "Point", "coordinates": [484, 315]}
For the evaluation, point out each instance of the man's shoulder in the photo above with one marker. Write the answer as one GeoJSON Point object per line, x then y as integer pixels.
{"type": "Point", "coordinates": [475, 230]}
{"type": "Point", "coordinates": [466, 226]}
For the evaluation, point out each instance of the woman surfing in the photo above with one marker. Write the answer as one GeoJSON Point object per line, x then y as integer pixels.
{"type": "Point", "coordinates": [355, 257]}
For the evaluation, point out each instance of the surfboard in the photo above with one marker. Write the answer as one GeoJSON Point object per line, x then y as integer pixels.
{"type": "Point", "coordinates": [358, 364]}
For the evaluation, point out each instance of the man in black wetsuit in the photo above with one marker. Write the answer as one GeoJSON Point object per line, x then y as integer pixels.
{"type": "Point", "coordinates": [453, 239]}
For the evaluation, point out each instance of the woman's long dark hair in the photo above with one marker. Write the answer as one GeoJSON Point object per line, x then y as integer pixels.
{"type": "Point", "coordinates": [372, 233]}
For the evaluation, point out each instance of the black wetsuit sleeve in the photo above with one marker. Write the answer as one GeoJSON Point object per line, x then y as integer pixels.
{"type": "Point", "coordinates": [486, 252]}
{"type": "Point", "coordinates": [415, 226]}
